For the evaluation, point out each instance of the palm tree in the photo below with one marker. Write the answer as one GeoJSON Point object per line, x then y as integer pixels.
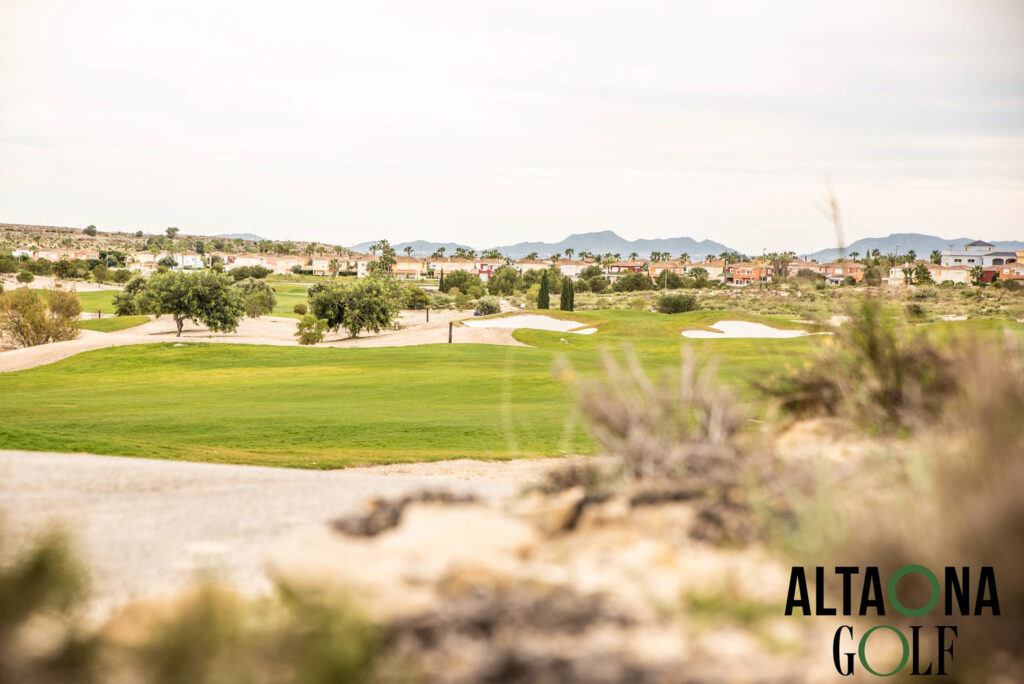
{"type": "Point", "coordinates": [532, 256]}
{"type": "Point", "coordinates": [334, 265]}
{"type": "Point", "coordinates": [976, 273]}
{"type": "Point", "coordinates": [633, 256]}
{"type": "Point", "coordinates": [854, 255]}
{"type": "Point", "coordinates": [911, 256]}
{"type": "Point", "coordinates": [936, 257]}
{"type": "Point", "coordinates": [569, 253]}
{"type": "Point", "coordinates": [684, 256]}
{"type": "Point", "coordinates": [408, 250]}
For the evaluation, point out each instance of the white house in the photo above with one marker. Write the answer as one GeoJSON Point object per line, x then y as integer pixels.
{"type": "Point", "coordinates": [977, 253]}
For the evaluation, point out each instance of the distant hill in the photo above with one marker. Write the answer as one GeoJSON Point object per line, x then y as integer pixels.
{"type": "Point", "coordinates": [420, 248]}
{"type": "Point", "coordinates": [901, 243]}
{"type": "Point", "coordinates": [241, 236]}
{"type": "Point", "coordinates": [607, 241]}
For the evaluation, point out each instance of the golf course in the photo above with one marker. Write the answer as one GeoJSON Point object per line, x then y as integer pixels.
{"type": "Point", "coordinates": [328, 408]}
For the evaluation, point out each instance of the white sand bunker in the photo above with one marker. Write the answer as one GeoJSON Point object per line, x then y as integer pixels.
{"type": "Point", "coordinates": [741, 329]}
{"type": "Point", "coordinates": [533, 322]}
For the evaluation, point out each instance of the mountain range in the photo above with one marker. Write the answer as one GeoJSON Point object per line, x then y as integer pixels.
{"type": "Point", "coordinates": [901, 243]}
{"type": "Point", "coordinates": [241, 236]}
{"type": "Point", "coordinates": [602, 242]}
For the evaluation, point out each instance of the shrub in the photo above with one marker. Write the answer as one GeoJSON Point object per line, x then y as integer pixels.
{"type": "Point", "coordinates": [8, 264]}
{"type": "Point", "coordinates": [90, 231]}
{"type": "Point", "coordinates": [567, 301]}
{"type": "Point", "coordinates": [633, 282]}
{"type": "Point", "coordinates": [439, 300]}
{"type": "Point", "coordinates": [310, 329]}
{"type": "Point", "coordinates": [300, 309]}
{"type": "Point", "coordinates": [488, 305]}
{"type": "Point", "coordinates": [543, 299]}
{"type": "Point", "coordinates": [257, 297]}
{"type": "Point", "coordinates": [27, 319]}
{"type": "Point", "coordinates": [26, 277]}
{"type": "Point", "coordinates": [668, 280]}
{"type": "Point", "coordinates": [126, 302]}
{"type": "Point", "coordinates": [676, 303]}
{"type": "Point", "coordinates": [416, 298]}
{"type": "Point", "coordinates": [122, 276]}
{"type": "Point", "coordinates": [463, 280]}
{"type": "Point", "coordinates": [39, 267]}
{"type": "Point", "coordinates": [597, 284]}
{"type": "Point", "coordinates": [638, 303]}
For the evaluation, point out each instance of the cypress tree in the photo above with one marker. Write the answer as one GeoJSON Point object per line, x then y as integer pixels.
{"type": "Point", "coordinates": [568, 295]}
{"type": "Point", "coordinates": [543, 300]}
{"type": "Point", "coordinates": [440, 285]}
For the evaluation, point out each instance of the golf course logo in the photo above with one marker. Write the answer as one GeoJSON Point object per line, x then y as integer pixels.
{"type": "Point", "coordinates": [956, 591]}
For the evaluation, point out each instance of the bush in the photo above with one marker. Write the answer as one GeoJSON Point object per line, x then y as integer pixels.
{"type": "Point", "coordinates": [27, 319]}
{"type": "Point", "coordinates": [300, 309]}
{"type": "Point", "coordinates": [638, 303]}
{"type": "Point", "coordinates": [669, 281]}
{"type": "Point", "coordinates": [597, 284]}
{"type": "Point", "coordinates": [310, 329]}
{"type": "Point", "coordinates": [121, 276]}
{"type": "Point", "coordinates": [488, 305]}
{"type": "Point", "coordinates": [591, 272]}
{"type": "Point", "coordinates": [416, 298]}
{"type": "Point", "coordinates": [8, 264]}
{"type": "Point", "coordinates": [633, 282]}
{"type": "Point", "coordinates": [26, 277]}
{"type": "Point", "coordinates": [463, 280]}
{"type": "Point", "coordinates": [39, 267]}
{"type": "Point", "coordinates": [243, 272]}
{"type": "Point", "coordinates": [676, 303]}
{"type": "Point", "coordinates": [257, 297]}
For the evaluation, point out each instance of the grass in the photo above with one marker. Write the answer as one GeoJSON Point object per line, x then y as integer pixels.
{"type": "Point", "coordinates": [112, 323]}
{"type": "Point", "coordinates": [326, 408]}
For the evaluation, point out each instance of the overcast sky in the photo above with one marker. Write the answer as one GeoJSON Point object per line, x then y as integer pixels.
{"type": "Point", "coordinates": [488, 122]}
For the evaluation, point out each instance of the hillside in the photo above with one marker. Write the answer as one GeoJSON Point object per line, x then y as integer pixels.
{"type": "Point", "coordinates": [901, 243]}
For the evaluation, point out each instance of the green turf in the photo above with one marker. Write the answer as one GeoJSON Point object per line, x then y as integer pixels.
{"type": "Point", "coordinates": [324, 407]}
{"type": "Point", "coordinates": [112, 323]}
{"type": "Point", "coordinates": [101, 300]}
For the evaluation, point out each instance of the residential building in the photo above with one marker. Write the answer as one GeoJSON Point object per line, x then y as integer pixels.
{"type": "Point", "coordinates": [571, 268]}
{"type": "Point", "coordinates": [836, 272]}
{"type": "Point", "coordinates": [978, 253]}
{"type": "Point", "coordinates": [743, 273]}
{"type": "Point", "coordinates": [527, 265]}
{"type": "Point", "coordinates": [408, 268]}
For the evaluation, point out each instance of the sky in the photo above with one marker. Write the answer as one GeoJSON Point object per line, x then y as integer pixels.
{"type": "Point", "coordinates": [492, 122]}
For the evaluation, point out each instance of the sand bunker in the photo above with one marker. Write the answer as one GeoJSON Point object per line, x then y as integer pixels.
{"type": "Point", "coordinates": [741, 329]}
{"type": "Point", "coordinates": [533, 322]}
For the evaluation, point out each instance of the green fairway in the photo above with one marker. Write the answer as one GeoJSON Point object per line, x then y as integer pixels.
{"type": "Point", "coordinates": [101, 300]}
{"type": "Point", "coordinates": [112, 323]}
{"type": "Point", "coordinates": [288, 295]}
{"type": "Point", "coordinates": [323, 408]}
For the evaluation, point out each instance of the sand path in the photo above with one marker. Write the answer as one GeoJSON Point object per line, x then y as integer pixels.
{"type": "Point", "coordinates": [268, 330]}
{"type": "Point", "coordinates": [148, 527]}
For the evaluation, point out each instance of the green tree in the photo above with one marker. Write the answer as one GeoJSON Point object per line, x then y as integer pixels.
{"type": "Point", "coordinates": [464, 280]}
{"type": "Point", "coordinates": [310, 329]}
{"type": "Point", "coordinates": [922, 274]}
{"type": "Point", "coordinates": [126, 302]}
{"type": "Point", "coordinates": [440, 285]}
{"type": "Point", "coordinates": [597, 284]}
{"type": "Point", "coordinates": [333, 266]}
{"type": "Point", "coordinates": [100, 273]}
{"type": "Point", "coordinates": [200, 296]}
{"type": "Point", "coordinates": [543, 299]}
{"type": "Point", "coordinates": [568, 300]}
{"type": "Point", "coordinates": [368, 304]}
{"type": "Point", "coordinates": [172, 233]}
{"type": "Point", "coordinates": [257, 297]}
{"type": "Point", "coordinates": [26, 277]}
{"type": "Point", "coordinates": [504, 281]}
{"type": "Point", "coordinates": [977, 273]}
{"type": "Point", "coordinates": [633, 282]}
{"type": "Point", "coordinates": [936, 256]}
{"type": "Point", "coordinates": [167, 262]}
{"type": "Point", "coordinates": [90, 231]}
{"type": "Point", "coordinates": [27, 319]}
{"type": "Point", "coordinates": [591, 271]}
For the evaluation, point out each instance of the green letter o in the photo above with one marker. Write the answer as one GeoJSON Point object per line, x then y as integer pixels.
{"type": "Point", "coordinates": [864, 640]}
{"type": "Point", "coordinates": [921, 570]}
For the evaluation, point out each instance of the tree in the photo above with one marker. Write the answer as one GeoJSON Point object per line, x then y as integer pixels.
{"type": "Point", "coordinates": [543, 300]}
{"type": "Point", "coordinates": [633, 282]}
{"type": "Point", "coordinates": [911, 256]}
{"type": "Point", "coordinates": [8, 264]}
{"type": "Point", "coordinates": [438, 253]}
{"type": "Point", "coordinates": [633, 256]}
{"type": "Point", "coordinates": [408, 250]}
{"type": "Point", "coordinates": [126, 302]}
{"type": "Point", "coordinates": [440, 285]}
{"type": "Point", "coordinates": [200, 296]}
{"type": "Point", "coordinates": [26, 277]}
{"type": "Point", "coordinates": [172, 233]}
{"type": "Point", "coordinates": [590, 271]}
{"type": "Point", "coordinates": [569, 253]}
{"type": "Point", "coordinates": [936, 256]}
{"type": "Point", "coordinates": [387, 256]}
{"type": "Point", "coordinates": [27, 319]}
{"type": "Point", "coordinates": [257, 297]}
{"type": "Point", "coordinates": [567, 302]}
{"type": "Point", "coordinates": [464, 280]}
{"type": "Point", "coordinates": [668, 280]}
{"type": "Point", "coordinates": [676, 303]}
{"type": "Point", "coordinates": [532, 256]}
{"type": "Point", "coordinates": [922, 274]}
{"type": "Point", "coordinates": [200, 247]}
{"type": "Point", "coordinates": [310, 329]}
{"type": "Point", "coordinates": [90, 230]}
{"type": "Point", "coordinates": [100, 273]}
{"type": "Point", "coordinates": [684, 256]}
{"type": "Point", "coordinates": [167, 262]}
{"type": "Point", "coordinates": [138, 233]}
{"type": "Point", "coordinates": [333, 266]}
{"type": "Point", "coordinates": [487, 306]}
{"type": "Point", "coordinates": [368, 304]}
{"type": "Point", "coordinates": [977, 273]}
{"type": "Point", "coordinates": [504, 281]}
{"type": "Point", "coordinates": [597, 284]}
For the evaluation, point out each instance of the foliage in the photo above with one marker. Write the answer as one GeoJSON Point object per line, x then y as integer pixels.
{"type": "Point", "coordinates": [243, 272]}
{"type": "Point", "coordinates": [591, 272]}
{"type": "Point", "coordinates": [416, 298]}
{"type": "Point", "coordinates": [505, 280]}
{"type": "Point", "coordinates": [367, 304]}
{"type": "Point", "coordinates": [669, 280]}
{"type": "Point", "coordinates": [126, 301]}
{"type": "Point", "coordinates": [568, 297]}
{"type": "Point", "coordinates": [90, 231]}
{"type": "Point", "coordinates": [633, 282]}
{"type": "Point", "coordinates": [310, 329]}
{"type": "Point", "coordinates": [201, 296]}
{"type": "Point", "coordinates": [463, 280]}
{"type": "Point", "coordinates": [257, 297]}
{"type": "Point", "coordinates": [8, 264]}
{"type": "Point", "coordinates": [27, 319]}
{"type": "Point", "coordinates": [597, 284]}
{"type": "Point", "coordinates": [300, 309]}
{"type": "Point", "coordinates": [167, 261]}
{"type": "Point", "coordinates": [488, 305]}
{"type": "Point", "coordinates": [676, 303]}
{"type": "Point", "coordinates": [101, 273]}
{"type": "Point", "coordinates": [543, 299]}
{"type": "Point", "coordinates": [26, 277]}
{"type": "Point", "coordinates": [922, 274]}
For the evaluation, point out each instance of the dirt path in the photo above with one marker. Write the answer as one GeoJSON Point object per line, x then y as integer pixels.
{"type": "Point", "coordinates": [147, 527]}
{"type": "Point", "coordinates": [269, 330]}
